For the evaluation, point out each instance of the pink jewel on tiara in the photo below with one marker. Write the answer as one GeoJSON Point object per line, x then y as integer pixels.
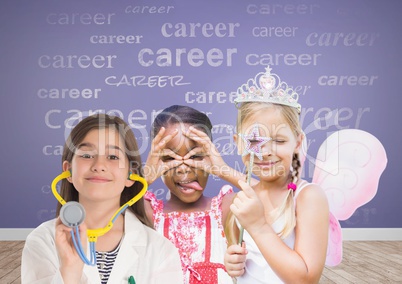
{"type": "Point", "coordinates": [267, 82]}
{"type": "Point", "coordinates": [253, 142]}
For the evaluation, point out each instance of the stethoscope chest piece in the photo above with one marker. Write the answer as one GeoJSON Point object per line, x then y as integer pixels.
{"type": "Point", "coordinates": [72, 214]}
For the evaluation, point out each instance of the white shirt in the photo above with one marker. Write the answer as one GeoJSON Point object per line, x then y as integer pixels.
{"type": "Point", "coordinates": [257, 270]}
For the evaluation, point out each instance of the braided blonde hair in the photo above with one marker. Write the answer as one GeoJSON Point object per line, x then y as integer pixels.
{"type": "Point", "coordinates": [287, 209]}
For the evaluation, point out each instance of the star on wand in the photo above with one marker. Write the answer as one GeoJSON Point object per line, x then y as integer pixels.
{"type": "Point", "coordinates": [253, 142]}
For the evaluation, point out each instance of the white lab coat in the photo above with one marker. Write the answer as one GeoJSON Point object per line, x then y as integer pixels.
{"type": "Point", "coordinates": [144, 254]}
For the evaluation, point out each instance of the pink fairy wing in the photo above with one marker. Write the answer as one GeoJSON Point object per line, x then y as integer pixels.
{"type": "Point", "coordinates": [334, 251]}
{"type": "Point", "coordinates": [348, 168]}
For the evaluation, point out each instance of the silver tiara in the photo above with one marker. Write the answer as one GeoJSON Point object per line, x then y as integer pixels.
{"type": "Point", "coordinates": [267, 87]}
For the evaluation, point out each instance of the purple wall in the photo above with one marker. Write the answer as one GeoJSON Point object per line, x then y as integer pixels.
{"type": "Point", "coordinates": [341, 55]}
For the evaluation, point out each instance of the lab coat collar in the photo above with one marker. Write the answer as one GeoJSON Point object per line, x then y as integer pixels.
{"type": "Point", "coordinates": [127, 261]}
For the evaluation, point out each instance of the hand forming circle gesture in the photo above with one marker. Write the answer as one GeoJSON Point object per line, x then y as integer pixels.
{"type": "Point", "coordinates": [210, 159]}
{"type": "Point", "coordinates": [160, 159]}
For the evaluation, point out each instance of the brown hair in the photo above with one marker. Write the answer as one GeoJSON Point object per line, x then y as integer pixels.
{"type": "Point", "coordinates": [104, 121]}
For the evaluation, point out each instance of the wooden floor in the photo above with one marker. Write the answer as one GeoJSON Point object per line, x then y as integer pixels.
{"type": "Point", "coordinates": [363, 262]}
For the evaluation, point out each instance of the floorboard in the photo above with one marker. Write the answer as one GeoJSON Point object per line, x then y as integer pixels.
{"type": "Point", "coordinates": [363, 262]}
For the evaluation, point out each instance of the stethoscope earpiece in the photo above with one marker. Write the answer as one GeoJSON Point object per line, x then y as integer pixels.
{"type": "Point", "coordinates": [72, 214]}
{"type": "Point", "coordinates": [135, 177]}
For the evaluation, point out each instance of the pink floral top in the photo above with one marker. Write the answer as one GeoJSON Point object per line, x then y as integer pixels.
{"type": "Point", "coordinates": [199, 237]}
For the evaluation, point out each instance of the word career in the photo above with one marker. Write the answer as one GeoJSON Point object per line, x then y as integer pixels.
{"type": "Point", "coordinates": [151, 81]}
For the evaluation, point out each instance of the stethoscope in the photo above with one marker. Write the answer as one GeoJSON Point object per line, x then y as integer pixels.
{"type": "Point", "coordinates": [72, 214]}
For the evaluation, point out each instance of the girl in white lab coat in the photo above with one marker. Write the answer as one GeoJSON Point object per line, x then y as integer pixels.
{"type": "Point", "coordinates": [100, 152]}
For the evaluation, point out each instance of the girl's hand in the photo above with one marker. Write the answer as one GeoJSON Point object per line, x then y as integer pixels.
{"type": "Point", "coordinates": [235, 260]}
{"type": "Point", "coordinates": [160, 160]}
{"type": "Point", "coordinates": [210, 159]}
{"type": "Point", "coordinates": [248, 208]}
{"type": "Point", "coordinates": [71, 265]}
